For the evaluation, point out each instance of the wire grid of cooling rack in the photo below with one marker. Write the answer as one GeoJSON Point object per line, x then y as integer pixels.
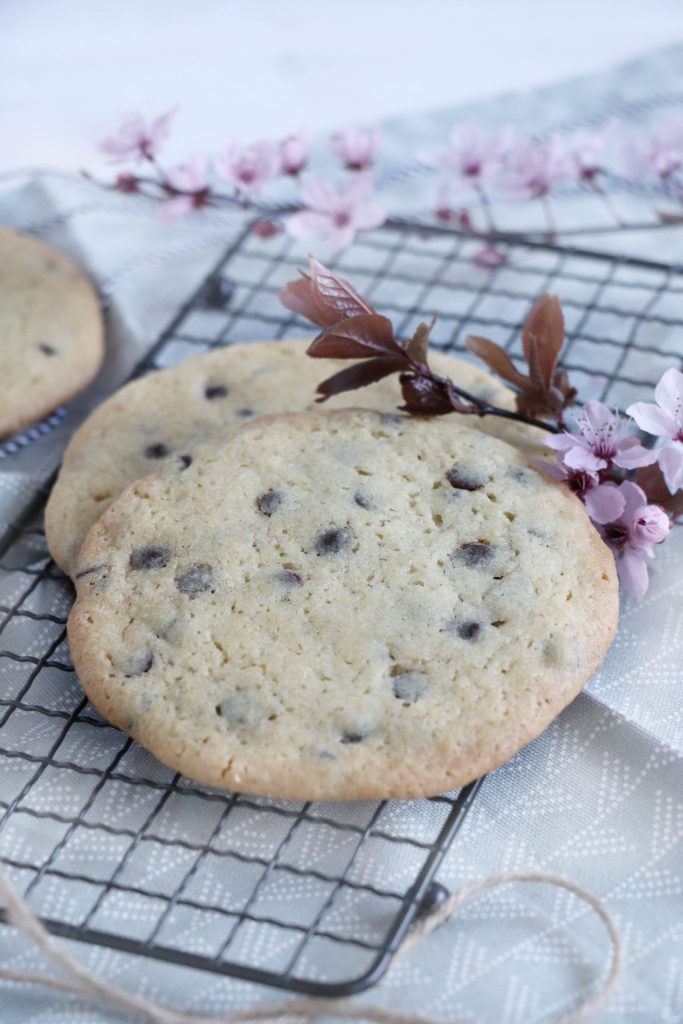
{"type": "Point", "coordinates": [112, 848]}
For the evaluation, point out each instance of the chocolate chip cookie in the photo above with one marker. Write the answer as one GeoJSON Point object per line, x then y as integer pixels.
{"type": "Point", "coordinates": [343, 605]}
{"type": "Point", "coordinates": [51, 334]}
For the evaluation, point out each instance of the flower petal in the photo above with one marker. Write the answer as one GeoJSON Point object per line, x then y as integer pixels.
{"type": "Point", "coordinates": [597, 419]}
{"type": "Point", "coordinates": [319, 195]}
{"type": "Point", "coordinates": [632, 571]}
{"type": "Point", "coordinates": [560, 442]}
{"type": "Point", "coordinates": [174, 209]}
{"type": "Point", "coordinates": [669, 395]}
{"type": "Point", "coordinates": [579, 458]}
{"type": "Point", "coordinates": [604, 503]}
{"type": "Point", "coordinates": [341, 238]}
{"type": "Point", "coordinates": [634, 499]}
{"type": "Point", "coordinates": [631, 455]}
{"type": "Point", "coordinates": [652, 419]}
{"type": "Point", "coordinates": [671, 463]}
{"type": "Point", "coordinates": [308, 226]}
{"type": "Point", "coordinates": [369, 215]}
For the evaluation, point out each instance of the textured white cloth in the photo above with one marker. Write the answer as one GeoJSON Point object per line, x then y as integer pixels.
{"type": "Point", "coordinates": [598, 798]}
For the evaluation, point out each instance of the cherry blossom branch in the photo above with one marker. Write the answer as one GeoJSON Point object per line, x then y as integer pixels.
{"type": "Point", "coordinates": [474, 165]}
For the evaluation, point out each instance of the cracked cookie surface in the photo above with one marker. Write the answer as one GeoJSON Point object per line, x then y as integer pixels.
{"type": "Point", "coordinates": [319, 646]}
{"type": "Point", "coordinates": [161, 418]}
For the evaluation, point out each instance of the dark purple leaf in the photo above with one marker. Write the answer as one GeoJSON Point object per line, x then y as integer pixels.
{"type": "Point", "coordinates": [358, 337]}
{"type": "Point", "coordinates": [542, 338]}
{"type": "Point", "coordinates": [666, 217]}
{"type": "Point", "coordinates": [496, 359]}
{"type": "Point", "coordinates": [337, 294]}
{"type": "Point", "coordinates": [427, 396]}
{"type": "Point", "coordinates": [359, 376]}
{"type": "Point", "coordinates": [302, 299]}
{"type": "Point", "coordinates": [418, 346]}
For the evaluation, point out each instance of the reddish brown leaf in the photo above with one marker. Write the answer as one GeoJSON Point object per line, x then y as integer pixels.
{"type": "Point", "coordinates": [418, 346]}
{"type": "Point", "coordinates": [359, 376]}
{"type": "Point", "coordinates": [358, 337]}
{"type": "Point", "coordinates": [302, 298]}
{"type": "Point", "coordinates": [562, 386]}
{"type": "Point", "coordinates": [540, 368]}
{"type": "Point", "coordinates": [427, 396]}
{"type": "Point", "coordinates": [666, 217]}
{"type": "Point", "coordinates": [337, 294]}
{"type": "Point", "coordinates": [496, 359]}
{"type": "Point", "coordinates": [651, 480]}
{"type": "Point", "coordinates": [543, 335]}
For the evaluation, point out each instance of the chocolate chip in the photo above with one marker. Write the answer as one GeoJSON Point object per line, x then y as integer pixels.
{"type": "Point", "coordinates": [352, 737]}
{"type": "Point", "coordinates": [217, 292]}
{"type": "Point", "coordinates": [47, 350]}
{"type": "Point", "coordinates": [91, 569]}
{"type": "Point", "coordinates": [287, 578]}
{"type": "Point", "coordinates": [212, 391]}
{"type": "Point", "coordinates": [474, 553]}
{"type": "Point", "coordinates": [463, 480]}
{"type": "Point", "coordinates": [157, 451]}
{"type": "Point", "coordinates": [332, 541]}
{"type": "Point", "coordinates": [239, 710]}
{"type": "Point", "coordinates": [244, 414]}
{"type": "Point", "coordinates": [195, 581]}
{"type": "Point", "coordinates": [362, 500]}
{"type": "Point", "coordinates": [150, 558]}
{"type": "Point", "coordinates": [185, 461]}
{"type": "Point", "coordinates": [523, 476]}
{"type": "Point", "coordinates": [141, 665]}
{"type": "Point", "coordinates": [269, 502]}
{"type": "Point", "coordinates": [410, 686]}
{"type": "Point", "coordinates": [468, 630]}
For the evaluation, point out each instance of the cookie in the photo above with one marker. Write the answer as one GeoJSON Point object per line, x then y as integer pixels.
{"type": "Point", "coordinates": [340, 606]}
{"type": "Point", "coordinates": [162, 417]}
{"type": "Point", "coordinates": [51, 332]}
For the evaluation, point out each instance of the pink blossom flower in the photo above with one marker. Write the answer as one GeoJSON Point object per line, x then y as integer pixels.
{"type": "Point", "coordinates": [588, 151]}
{"type": "Point", "coordinates": [533, 168]}
{"type": "Point", "coordinates": [602, 441]}
{"type": "Point", "coordinates": [293, 153]}
{"type": "Point", "coordinates": [665, 419]}
{"type": "Point", "coordinates": [472, 157]}
{"type": "Point", "coordinates": [490, 257]}
{"type": "Point", "coordinates": [604, 502]}
{"type": "Point", "coordinates": [355, 147]}
{"type": "Point", "coordinates": [655, 154]}
{"type": "Point", "coordinates": [335, 215]}
{"type": "Point", "coordinates": [632, 536]}
{"type": "Point", "coordinates": [191, 180]}
{"type": "Point", "coordinates": [138, 139]}
{"type": "Point", "coordinates": [248, 169]}
{"type": "Point", "coordinates": [127, 182]}
{"type": "Point", "coordinates": [265, 228]}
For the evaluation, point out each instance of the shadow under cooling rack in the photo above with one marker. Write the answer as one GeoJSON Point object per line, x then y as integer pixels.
{"type": "Point", "coordinates": [108, 845]}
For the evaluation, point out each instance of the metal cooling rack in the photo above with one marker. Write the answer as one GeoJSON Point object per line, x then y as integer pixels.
{"type": "Point", "coordinates": [110, 847]}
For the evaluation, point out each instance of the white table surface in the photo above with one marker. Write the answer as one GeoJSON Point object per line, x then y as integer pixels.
{"type": "Point", "coordinates": [69, 68]}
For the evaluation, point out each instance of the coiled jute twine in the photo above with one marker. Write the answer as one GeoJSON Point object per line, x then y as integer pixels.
{"type": "Point", "coordinates": [78, 981]}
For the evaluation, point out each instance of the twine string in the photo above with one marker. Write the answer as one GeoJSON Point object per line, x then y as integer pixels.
{"type": "Point", "coordinates": [79, 981]}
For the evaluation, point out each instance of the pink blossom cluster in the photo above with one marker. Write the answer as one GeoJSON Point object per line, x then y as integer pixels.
{"type": "Point", "coordinates": [474, 163]}
{"type": "Point", "coordinates": [327, 213]}
{"type": "Point", "coordinates": [586, 462]}
{"type": "Point", "coordinates": [520, 167]}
